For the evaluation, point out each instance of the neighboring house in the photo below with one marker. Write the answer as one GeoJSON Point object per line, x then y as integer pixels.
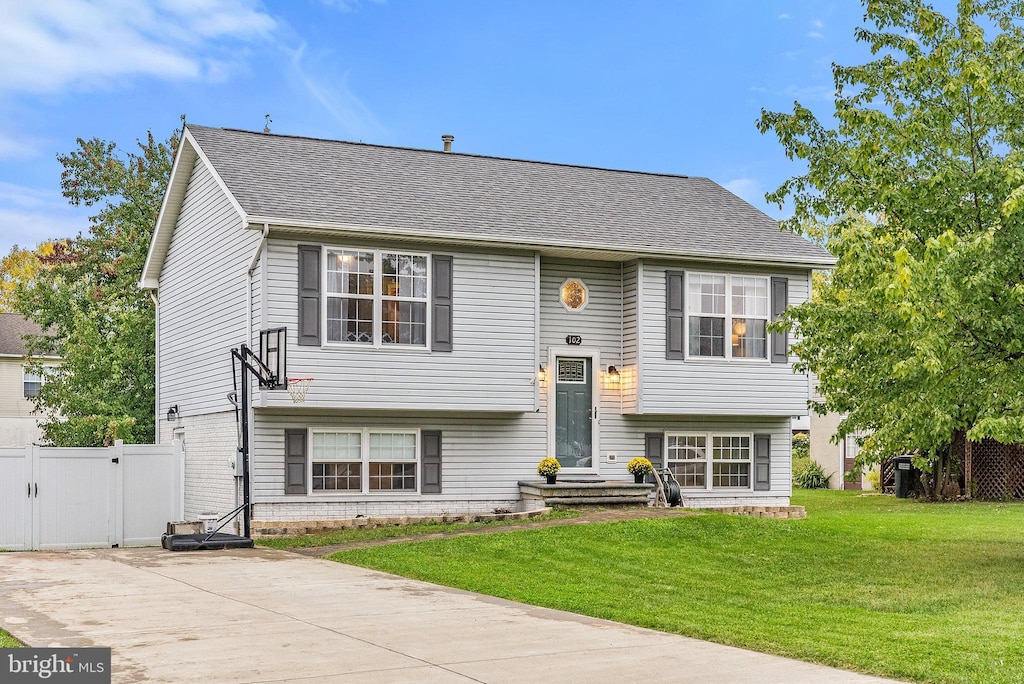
{"type": "Point", "coordinates": [18, 420]}
{"type": "Point", "coordinates": [837, 458]}
{"type": "Point", "coordinates": [463, 317]}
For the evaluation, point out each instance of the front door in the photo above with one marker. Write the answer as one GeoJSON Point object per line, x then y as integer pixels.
{"type": "Point", "coordinates": [574, 430]}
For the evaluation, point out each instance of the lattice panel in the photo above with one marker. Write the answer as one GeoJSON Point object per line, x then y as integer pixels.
{"type": "Point", "coordinates": [888, 475]}
{"type": "Point", "coordinates": [997, 470]}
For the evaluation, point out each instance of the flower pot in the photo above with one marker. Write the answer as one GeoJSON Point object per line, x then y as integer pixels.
{"type": "Point", "coordinates": [551, 478]}
{"type": "Point", "coordinates": [639, 479]}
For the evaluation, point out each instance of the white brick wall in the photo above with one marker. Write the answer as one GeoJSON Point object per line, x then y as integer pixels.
{"type": "Point", "coordinates": [210, 444]}
{"type": "Point", "coordinates": [724, 501]}
{"type": "Point", "coordinates": [337, 510]}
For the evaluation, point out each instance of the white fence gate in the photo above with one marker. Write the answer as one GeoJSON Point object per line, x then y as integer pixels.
{"type": "Point", "coordinates": [79, 498]}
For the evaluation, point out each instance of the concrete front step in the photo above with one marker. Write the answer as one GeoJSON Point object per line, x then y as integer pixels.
{"type": "Point", "coordinates": [586, 492]}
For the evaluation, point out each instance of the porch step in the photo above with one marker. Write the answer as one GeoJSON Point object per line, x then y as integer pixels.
{"type": "Point", "coordinates": [586, 492]}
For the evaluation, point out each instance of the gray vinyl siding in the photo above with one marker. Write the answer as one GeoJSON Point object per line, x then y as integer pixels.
{"type": "Point", "coordinates": [492, 364]}
{"type": "Point", "coordinates": [624, 436]}
{"type": "Point", "coordinates": [203, 293]}
{"type": "Point", "coordinates": [630, 339]}
{"type": "Point", "coordinates": [483, 455]}
{"type": "Point", "coordinates": [715, 387]}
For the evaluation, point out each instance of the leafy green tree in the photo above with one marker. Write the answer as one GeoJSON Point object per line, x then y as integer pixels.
{"type": "Point", "coordinates": [88, 301]}
{"type": "Point", "coordinates": [917, 189]}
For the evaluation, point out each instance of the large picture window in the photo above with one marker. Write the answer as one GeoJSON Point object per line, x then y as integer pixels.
{"type": "Point", "coordinates": [376, 298]}
{"type": "Point", "coordinates": [363, 461]}
{"type": "Point", "coordinates": [726, 465]}
{"type": "Point", "coordinates": [719, 303]}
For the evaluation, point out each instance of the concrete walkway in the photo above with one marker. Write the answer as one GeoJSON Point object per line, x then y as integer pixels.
{"type": "Point", "coordinates": [272, 616]}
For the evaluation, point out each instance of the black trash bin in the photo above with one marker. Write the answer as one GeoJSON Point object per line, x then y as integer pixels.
{"type": "Point", "coordinates": [904, 466]}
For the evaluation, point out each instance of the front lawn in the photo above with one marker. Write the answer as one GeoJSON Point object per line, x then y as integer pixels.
{"type": "Point", "coordinates": [7, 641]}
{"type": "Point", "coordinates": [929, 592]}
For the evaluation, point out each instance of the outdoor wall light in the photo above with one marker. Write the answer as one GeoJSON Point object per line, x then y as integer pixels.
{"type": "Point", "coordinates": [613, 374]}
{"type": "Point", "coordinates": [542, 373]}
{"type": "Point", "coordinates": [172, 413]}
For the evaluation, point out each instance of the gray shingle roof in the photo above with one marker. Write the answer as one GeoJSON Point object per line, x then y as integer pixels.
{"type": "Point", "coordinates": [12, 327]}
{"type": "Point", "coordinates": [493, 199]}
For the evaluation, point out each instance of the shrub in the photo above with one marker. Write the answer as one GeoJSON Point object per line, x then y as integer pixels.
{"type": "Point", "coordinates": [810, 476]}
{"type": "Point", "coordinates": [801, 446]}
{"type": "Point", "coordinates": [875, 479]}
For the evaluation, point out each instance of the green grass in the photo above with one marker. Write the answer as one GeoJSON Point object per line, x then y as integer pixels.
{"type": "Point", "coordinates": [392, 531]}
{"type": "Point", "coordinates": [7, 641]}
{"type": "Point", "coordinates": [927, 592]}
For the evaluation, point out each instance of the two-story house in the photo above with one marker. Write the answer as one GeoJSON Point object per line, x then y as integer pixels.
{"type": "Point", "coordinates": [464, 316]}
{"type": "Point", "coordinates": [19, 382]}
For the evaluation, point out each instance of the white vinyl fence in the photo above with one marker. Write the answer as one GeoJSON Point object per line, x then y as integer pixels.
{"type": "Point", "coordinates": [79, 498]}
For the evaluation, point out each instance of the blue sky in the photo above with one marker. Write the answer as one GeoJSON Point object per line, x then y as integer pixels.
{"type": "Point", "coordinates": [670, 86]}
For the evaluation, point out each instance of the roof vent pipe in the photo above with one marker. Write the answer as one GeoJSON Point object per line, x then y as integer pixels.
{"type": "Point", "coordinates": [447, 142]}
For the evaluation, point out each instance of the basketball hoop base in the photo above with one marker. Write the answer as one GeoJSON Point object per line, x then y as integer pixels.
{"type": "Point", "coordinates": [297, 388]}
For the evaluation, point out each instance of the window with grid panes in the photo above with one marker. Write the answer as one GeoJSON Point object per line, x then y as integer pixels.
{"type": "Point", "coordinates": [731, 457]}
{"type": "Point", "coordinates": [376, 297]}
{"type": "Point", "coordinates": [687, 459]}
{"type": "Point", "coordinates": [719, 303]}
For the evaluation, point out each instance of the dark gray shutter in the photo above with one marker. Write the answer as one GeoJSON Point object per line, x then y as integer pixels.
{"type": "Point", "coordinates": [309, 295]}
{"type": "Point", "coordinates": [295, 461]}
{"type": "Point", "coordinates": [441, 304]}
{"type": "Point", "coordinates": [762, 462]}
{"type": "Point", "coordinates": [654, 445]}
{"type": "Point", "coordinates": [430, 457]}
{"type": "Point", "coordinates": [674, 312]}
{"type": "Point", "coordinates": [780, 340]}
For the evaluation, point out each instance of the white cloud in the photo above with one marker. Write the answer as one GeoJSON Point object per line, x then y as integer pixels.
{"type": "Point", "coordinates": [28, 216]}
{"type": "Point", "coordinates": [337, 98]}
{"type": "Point", "coordinates": [60, 44]}
{"type": "Point", "coordinates": [784, 15]}
{"type": "Point", "coordinates": [818, 93]}
{"type": "Point", "coordinates": [757, 89]}
{"type": "Point", "coordinates": [749, 189]}
{"type": "Point", "coordinates": [818, 24]}
{"type": "Point", "coordinates": [18, 146]}
{"type": "Point", "coordinates": [349, 5]}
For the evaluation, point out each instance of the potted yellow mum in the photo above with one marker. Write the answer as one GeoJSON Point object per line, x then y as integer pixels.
{"type": "Point", "coordinates": [549, 467]}
{"type": "Point", "coordinates": [640, 468]}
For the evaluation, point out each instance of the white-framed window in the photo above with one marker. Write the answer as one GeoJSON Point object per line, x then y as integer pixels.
{"type": "Point", "coordinates": [716, 303]}
{"type": "Point", "coordinates": [726, 465]}
{"type": "Point", "coordinates": [364, 460]}
{"type": "Point", "coordinates": [376, 297]}
{"type": "Point", "coordinates": [31, 382]}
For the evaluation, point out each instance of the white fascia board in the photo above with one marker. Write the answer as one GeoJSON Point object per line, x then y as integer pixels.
{"type": "Point", "coordinates": [168, 216]}
{"type": "Point", "coordinates": [288, 225]}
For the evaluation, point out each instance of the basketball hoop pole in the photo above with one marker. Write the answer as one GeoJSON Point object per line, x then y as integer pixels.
{"type": "Point", "coordinates": [265, 376]}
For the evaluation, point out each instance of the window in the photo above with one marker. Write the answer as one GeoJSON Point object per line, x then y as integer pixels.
{"type": "Point", "coordinates": [731, 461]}
{"type": "Point", "coordinates": [716, 303]}
{"type": "Point", "coordinates": [31, 383]}
{"type": "Point", "coordinates": [728, 461]}
{"type": "Point", "coordinates": [361, 461]}
{"type": "Point", "coordinates": [376, 298]}
{"type": "Point", "coordinates": [687, 459]}
{"type": "Point", "coordinates": [573, 294]}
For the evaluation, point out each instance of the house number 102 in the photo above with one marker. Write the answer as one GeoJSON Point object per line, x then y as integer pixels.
{"type": "Point", "coordinates": [574, 340]}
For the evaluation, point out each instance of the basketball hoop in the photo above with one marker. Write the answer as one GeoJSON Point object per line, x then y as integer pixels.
{"type": "Point", "coordinates": [297, 387]}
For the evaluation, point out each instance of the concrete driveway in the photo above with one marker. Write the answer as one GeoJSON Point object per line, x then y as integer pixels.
{"type": "Point", "coordinates": [273, 616]}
